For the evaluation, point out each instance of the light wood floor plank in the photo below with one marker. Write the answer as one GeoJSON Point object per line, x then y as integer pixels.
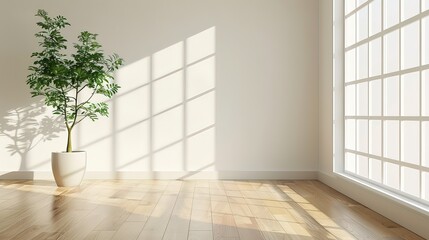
{"type": "Point", "coordinates": [100, 235]}
{"type": "Point", "coordinates": [248, 228]}
{"type": "Point", "coordinates": [178, 226]}
{"type": "Point", "coordinates": [194, 210]}
{"type": "Point", "coordinates": [157, 223]}
{"type": "Point", "coordinates": [200, 235]}
{"type": "Point", "coordinates": [129, 230]}
{"type": "Point", "coordinates": [224, 227]}
{"type": "Point", "coordinates": [201, 216]}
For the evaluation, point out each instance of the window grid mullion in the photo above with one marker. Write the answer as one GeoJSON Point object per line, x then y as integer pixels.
{"type": "Point", "coordinates": [399, 163]}
{"type": "Point", "coordinates": [358, 8]}
{"type": "Point", "coordinates": [343, 167]}
{"type": "Point", "coordinates": [356, 96]}
{"type": "Point", "coordinates": [401, 118]}
{"type": "Point", "coordinates": [420, 104]}
{"type": "Point", "coordinates": [388, 30]}
{"type": "Point", "coordinates": [390, 74]}
{"type": "Point", "coordinates": [400, 96]}
{"type": "Point", "coordinates": [367, 93]}
{"type": "Point", "coordinates": [382, 91]}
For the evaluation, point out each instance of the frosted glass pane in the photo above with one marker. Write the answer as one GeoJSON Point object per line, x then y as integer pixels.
{"type": "Point", "coordinates": [374, 17]}
{"type": "Point", "coordinates": [391, 13]}
{"type": "Point", "coordinates": [362, 99]}
{"type": "Point", "coordinates": [410, 94]}
{"type": "Point", "coordinates": [391, 139]}
{"type": "Point", "coordinates": [362, 166]}
{"type": "Point", "coordinates": [425, 40]}
{"type": "Point", "coordinates": [391, 96]}
{"type": "Point", "coordinates": [362, 23]}
{"type": "Point", "coordinates": [425, 93]}
{"type": "Point", "coordinates": [391, 52]}
{"type": "Point", "coordinates": [410, 49]}
{"type": "Point", "coordinates": [350, 30]}
{"type": "Point", "coordinates": [362, 61]}
{"type": "Point", "coordinates": [350, 5]}
{"type": "Point", "coordinates": [425, 186]}
{"type": "Point", "coordinates": [350, 65]}
{"type": "Point", "coordinates": [425, 144]}
{"type": "Point", "coordinates": [410, 181]}
{"type": "Point", "coordinates": [391, 175]}
{"type": "Point", "coordinates": [362, 136]}
{"type": "Point", "coordinates": [410, 150]}
{"type": "Point", "coordinates": [350, 162]}
{"type": "Point", "coordinates": [375, 57]}
{"type": "Point", "coordinates": [350, 98]}
{"type": "Point", "coordinates": [375, 98]}
{"type": "Point", "coordinates": [350, 137]}
{"type": "Point", "coordinates": [360, 2]}
{"type": "Point", "coordinates": [375, 137]}
{"type": "Point", "coordinates": [409, 8]}
{"type": "Point", "coordinates": [425, 5]}
{"type": "Point", "coordinates": [375, 170]}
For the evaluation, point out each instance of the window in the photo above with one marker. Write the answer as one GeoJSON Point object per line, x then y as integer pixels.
{"type": "Point", "coordinates": [386, 94]}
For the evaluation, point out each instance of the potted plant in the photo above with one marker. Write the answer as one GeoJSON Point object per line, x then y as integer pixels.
{"type": "Point", "coordinates": [68, 83]}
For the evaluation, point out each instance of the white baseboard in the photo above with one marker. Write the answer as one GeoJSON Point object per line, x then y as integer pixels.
{"type": "Point", "coordinates": [399, 212]}
{"type": "Point", "coordinates": [233, 175]}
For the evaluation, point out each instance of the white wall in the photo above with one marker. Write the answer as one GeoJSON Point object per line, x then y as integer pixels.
{"type": "Point", "coordinates": [255, 90]}
{"type": "Point", "coordinates": [325, 86]}
{"type": "Point", "coordinates": [397, 211]}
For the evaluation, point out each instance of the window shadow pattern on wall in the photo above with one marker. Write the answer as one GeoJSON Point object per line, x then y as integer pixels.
{"type": "Point", "coordinates": [163, 118]}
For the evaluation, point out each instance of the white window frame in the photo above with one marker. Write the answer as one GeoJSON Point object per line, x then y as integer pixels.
{"type": "Point", "coordinates": [339, 116]}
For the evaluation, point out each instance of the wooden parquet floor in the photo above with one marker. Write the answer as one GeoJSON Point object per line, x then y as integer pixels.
{"type": "Point", "coordinates": [198, 209]}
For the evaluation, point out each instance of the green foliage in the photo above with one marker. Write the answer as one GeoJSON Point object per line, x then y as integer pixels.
{"type": "Point", "coordinates": [62, 79]}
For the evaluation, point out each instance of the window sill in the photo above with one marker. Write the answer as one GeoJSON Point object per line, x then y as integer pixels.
{"type": "Point", "coordinates": [398, 198]}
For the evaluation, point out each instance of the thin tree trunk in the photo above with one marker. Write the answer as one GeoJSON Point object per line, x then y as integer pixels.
{"type": "Point", "coordinates": [69, 140]}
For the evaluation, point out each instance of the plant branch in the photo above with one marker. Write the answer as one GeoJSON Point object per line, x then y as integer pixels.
{"type": "Point", "coordinates": [75, 106]}
{"type": "Point", "coordinates": [84, 86]}
{"type": "Point", "coordinates": [60, 77]}
{"type": "Point", "coordinates": [65, 109]}
{"type": "Point", "coordinates": [80, 120]}
{"type": "Point", "coordinates": [90, 97]}
{"type": "Point", "coordinates": [74, 98]}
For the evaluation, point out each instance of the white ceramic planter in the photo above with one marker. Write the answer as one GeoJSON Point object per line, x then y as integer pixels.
{"type": "Point", "coordinates": [68, 168]}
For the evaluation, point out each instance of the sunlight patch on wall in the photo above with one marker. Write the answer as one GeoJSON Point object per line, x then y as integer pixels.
{"type": "Point", "coordinates": [163, 118]}
{"type": "Point", "coordinates": [201, 45]}
{"type": "Point", "coordinates": [168, 60]}
{"type": "Point", "coordinates": [168, 92]}
{"type": "Point", "coordinates": [168, 128]}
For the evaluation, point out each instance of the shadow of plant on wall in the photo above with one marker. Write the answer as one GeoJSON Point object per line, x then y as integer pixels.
{"type": "Point", "coordinates": [26, 127]}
